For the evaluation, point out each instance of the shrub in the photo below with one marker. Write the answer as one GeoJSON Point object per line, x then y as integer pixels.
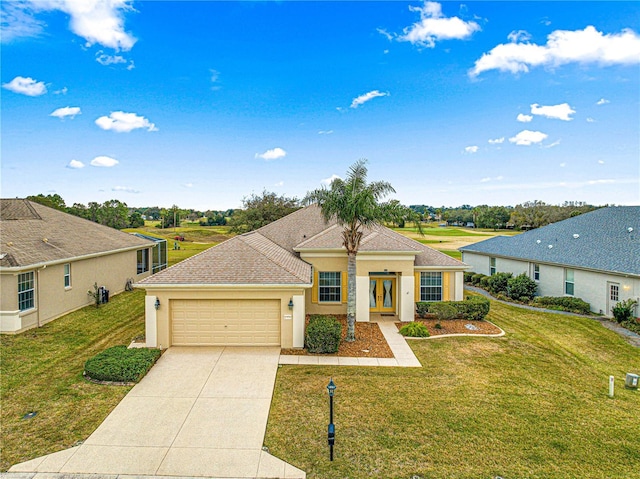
{"type": "Point", "coordinates": [323, 334]}
{"type": "Point", "coordinates": [474, 308]}
{"type": "Point", "coordinates": [414, 329]}
{"type": "Point", "coordinates": [467, 276]}
{"type": "Point", "coordinates": [484, 282]}
{"type": "Point", "coordinates": [563, 303]}
{"type": "Point", "coordinates": [521, 288]}
{"type": "Point", "coordinates": [475, 279]}
{"type": "Point", "coordinates": [444, 310]}
{"type": "Point", "coordinates": [422, 309]}
{"type": "Point", "coordinates": [438, 326]}
{"type": "Point", "coordinates": [631, 325]}
{"type": "Point", "coordinates": [120, 364]}
{"type": "Point", "coordinates": [498, 282]}
{"type": "Point", "coordinates": [623, 311]}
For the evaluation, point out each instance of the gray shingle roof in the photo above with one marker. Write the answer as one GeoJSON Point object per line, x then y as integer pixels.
{"type": "Point", "coordinates": [269, 254]}
{"type": "Point", "coordinates": [35, 234]}
{"type": "Point", "coordinates": [603, 242]}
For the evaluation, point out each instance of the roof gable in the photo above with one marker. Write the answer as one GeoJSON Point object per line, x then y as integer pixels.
{"type": "Point", "coordinates": [35, 234]}
{"type": "Point", "coordinates": [598, 240]}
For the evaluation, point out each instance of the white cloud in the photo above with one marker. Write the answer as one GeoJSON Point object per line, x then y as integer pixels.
{"type": "Point", "coordinates": [106, 60]}
{"type": "Point", "coordinates": [18, 21]}
{"type": "Point", "coordinates": [367, 97]}
{"type": "Point", "coordinates": [434, 26]}
{"type": "Point", "coordinates": [485, 180]}
{"type": "Point", "coordinates": [558, 112]}
{"type": "Point", "coordinates": [122, 122]}
{"type": "Point", "coordinates": [562, 165]}
{"type": "Point", "coordinates": [75, 164]}
{"type": "Point", "coordinates": [328, 181]}
{"type": "Point", "coordinates": [385, 33]}
{"type": "Point", "coordinates": [471, 149]}
{"type": "Point", "coordinates": [488, 179]}
{"type": "Point", "coordinates": [325, 132]}
{"type": "Point", "coordinates": [519, 36]}
{"type": "Point", "coordinates": [272, 154]}
{"type": "Point", "coordinates": [524, 118]}
{"type": "Point", "coordinates": [188, 185]}
{"type": "Point", "coordinates": [590, 120]}
{"type": "Point", "coordinates": [67, 111]}
{"type": "Point", "coordinates": [528, 137]}
{"type": "Point", "coordinates": [279, 183]}
{"type": "Point", "coordinates": [62, 91]}
{"type": "Point", "coordinates": [555, 143]}
{"type": "Point", "coordinates": [126, 189]}
{"type": "Point", "coordinates": [104, 161]}
{"type": "Point", "coordinates": [563, 46]}
{"type": "Point", "coordinates": [497, 141]}
{"type": "Point", "coordinates": [26, 86]}
{"type": "Point", "coordinates": [601, 162]}
{"type": "Point", "coordinates": [560, 184]}
{"type": "Point", "coordinates": [214, 77]}
{"type": "Point", "coordinates": [602, 101]}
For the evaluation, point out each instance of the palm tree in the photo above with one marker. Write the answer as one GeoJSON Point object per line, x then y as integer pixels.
{"type": "Point", "coordinates": [355, 205]}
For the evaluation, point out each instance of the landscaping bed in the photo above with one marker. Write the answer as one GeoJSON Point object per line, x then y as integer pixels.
{"type": "Point", "coordinates": [456, 326]}
{"type": "Point", "coordinates": [369, 343]}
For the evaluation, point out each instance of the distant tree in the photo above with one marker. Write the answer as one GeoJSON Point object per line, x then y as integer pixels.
{"type": "Point", "coordinates": [261, 210]}
{"type": "Point", "coordinates": [135, 220]}
{"type": "Point", "coordinates": [52, 201]}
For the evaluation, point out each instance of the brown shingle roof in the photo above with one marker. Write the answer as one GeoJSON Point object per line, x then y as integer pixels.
{"type": "Point", "coordinates": [246, 259]}
{"type": "Point", "coordinates": [35, 234]}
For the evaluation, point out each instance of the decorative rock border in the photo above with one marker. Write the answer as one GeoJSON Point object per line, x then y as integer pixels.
{"type": "Point", "coordinates": [436, 336]}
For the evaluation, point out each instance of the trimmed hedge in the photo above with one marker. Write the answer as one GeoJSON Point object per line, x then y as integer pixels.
{"type": "Point", "coordinates": [475, 279]}
{"type": "Point", "coordinates": [415, 329]}
{"type": "Point", "coordinates": [120, 364]}
{"type": "Point", "coordinates": [521, 288]}
{"type": "Point", "coordinates": [498, 283]}
{"type": "Point", "coordinates": [563, 303]}
{"type": "Point", "coordinates": [468, 275]}
{"type": "Point", "coordinates": [473, 308]}
{"type": "Point", "coordinates": [323, 334]}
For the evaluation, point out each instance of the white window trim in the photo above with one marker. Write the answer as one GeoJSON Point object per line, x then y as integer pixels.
{"type": "Point", "coordinates": [339, 276]}
{"type": "Point", "coordinates": [32, 289]}
{"type": "Point", "coordinates": [567, 282]}
{"type": "Point", "coordinates": [422, 274]}
{"type": "Point", "coordinates": [536, 270]}
{"type": "Point", "coordinates": [67, 274]}
{"type": "Point", "coordinates": [492, 266]}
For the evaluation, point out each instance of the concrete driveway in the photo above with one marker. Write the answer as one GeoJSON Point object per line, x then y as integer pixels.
{"type": "Point", "coordinates": [199, 412]}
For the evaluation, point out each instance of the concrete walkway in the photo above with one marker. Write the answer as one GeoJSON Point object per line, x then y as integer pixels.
{"type": "Point", "coordinates": [402, 354]}
{"type": "Point", "coordinates": [199, 412]}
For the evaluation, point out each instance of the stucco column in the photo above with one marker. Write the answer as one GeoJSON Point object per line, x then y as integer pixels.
{"type": "Point", "coordinates": [459, 286]}
{"type": "Point", "coordinates": [406, 297]}
{"type": "Point", "coordinates": [362, 298]}
{"type": "Point", "coordinates": [298, 321]}
{"type": "Point", "coordinates": [150, 322]}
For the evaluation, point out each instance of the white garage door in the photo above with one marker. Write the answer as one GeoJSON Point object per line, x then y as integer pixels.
{"type": "Point", "coordinates": [225, 322]}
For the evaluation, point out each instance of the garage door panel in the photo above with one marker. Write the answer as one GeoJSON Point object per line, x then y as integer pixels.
{"type": "Point", "coordinates": [225, 322]}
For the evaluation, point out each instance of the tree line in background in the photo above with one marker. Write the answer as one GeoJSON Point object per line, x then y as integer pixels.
{"type": "Point", "coordinates": [259, 210]}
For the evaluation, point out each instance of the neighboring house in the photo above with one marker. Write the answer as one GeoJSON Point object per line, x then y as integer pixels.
{"type": "Point", "coordinates": [50, 259]}
{"type": "Point", "coordinates": [256, 288]}
{"type": "Point", "coordinates": [594, 256]}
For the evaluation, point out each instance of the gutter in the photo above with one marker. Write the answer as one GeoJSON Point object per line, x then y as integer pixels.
{"type": "Point", "coordinates": [222, 287]}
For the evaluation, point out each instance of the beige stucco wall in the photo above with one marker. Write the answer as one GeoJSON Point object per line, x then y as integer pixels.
{"type": "Point", "coordinates": [591, 286]}
{"type": "Point", "coordinates": [324, 264]}
{"type": "Point", "coordinates": [53, 300]}
{"type": "Point", "coordinates": [166, 295]}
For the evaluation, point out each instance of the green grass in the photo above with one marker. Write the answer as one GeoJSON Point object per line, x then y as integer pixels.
{"type": "Point", "coordinates": [453, 253]}
{"type": "Point", "coordinates": [41, 370]}
{"type": "Point", "coordinates": [532, 404]}
{"type": "Point", "coordinates": [186, 251]}
{"type": "Point", "coordinates": [448, 231]}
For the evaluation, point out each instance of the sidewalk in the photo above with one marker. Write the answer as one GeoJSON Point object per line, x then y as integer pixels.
{"type": "Point", "coordinates": [402, 354]}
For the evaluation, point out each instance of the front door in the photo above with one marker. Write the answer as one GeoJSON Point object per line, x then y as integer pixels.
{"type": "Point", "coordinates": [613, 296]}
{"type": "Point", "coordinates": [382, 295]}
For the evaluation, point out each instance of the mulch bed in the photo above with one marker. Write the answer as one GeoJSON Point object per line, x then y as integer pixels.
{"type": "Point", "coordinates": [369, 343]}
{"type": "Point", "coordinates": [456, 326]}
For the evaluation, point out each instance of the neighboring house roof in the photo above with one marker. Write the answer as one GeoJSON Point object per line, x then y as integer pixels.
{"type": "Point", "coordinates": [34, 234]}
{"type": "Point", "coordinates": [269, 255]}
{"type": "Point", "coordinates": [598, 240]}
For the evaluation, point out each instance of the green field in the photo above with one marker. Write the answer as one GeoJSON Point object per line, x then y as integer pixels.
{"type": "Point", "coordinates": [532, 404]}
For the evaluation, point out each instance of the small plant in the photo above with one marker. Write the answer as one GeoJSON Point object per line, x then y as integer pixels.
{"type": "Point", "coordinates": [521, 288]}
{"type": "Point", "coordinates": [438, 326]}
{"type": "Point", "coordinates": [498, 283]}
{"type": "Point", "coordinates": [323, 334]}
{"type": "Point", "coordinates": [623, 311]}
{"type": "Point", "coordinates": [415, 329]}
{"type": "Point", "coordinates": [95, 294]}
{"type": "Point", "coordinates": [422, 309]}
{"type": "Point", "coordinates": [119, 364]}
{"type": "Point", "coordinates": [484, 282]}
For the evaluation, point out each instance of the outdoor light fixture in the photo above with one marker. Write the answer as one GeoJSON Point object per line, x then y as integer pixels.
{"type": "Point", "coordinates": [331, 431]}
{"type": "Point", "coordinates": [157, 303]}
{"type": "Point", "coordinates": [290, 303]}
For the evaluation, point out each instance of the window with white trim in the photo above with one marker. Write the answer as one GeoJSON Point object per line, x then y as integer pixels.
{"type": "Point", "coordinates": [329, 286]}
{"type": "Point", "coordinates": [536, 272]}
{"type": "Point", "coordinates": [569, 285]}
{"type": "Point", "coordinates": [143, 261]}
{"type": "Point", "coordinates": [26, 291]}
{"type": "Point", "coordinates": [492, 266]}
{"type": "Point", "coordinates": [67, 275]}
{"type": "Point", "coordinates": [430, 286]}
{"type": "Point", "coordinates": [614, 292]}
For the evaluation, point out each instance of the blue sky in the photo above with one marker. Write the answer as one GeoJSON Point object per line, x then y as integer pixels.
{"type": "Point", "coordinates": [203, 103]}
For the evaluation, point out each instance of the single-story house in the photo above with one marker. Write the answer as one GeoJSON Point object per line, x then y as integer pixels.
{"type": "Point", "coordinates": [258, 287]}
{"type": "Point", "coordinates": [50, 259]}
{"type": "Point", "coordinates": [594, 256]}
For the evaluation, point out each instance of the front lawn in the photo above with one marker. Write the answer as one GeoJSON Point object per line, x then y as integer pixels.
{"type": "Point", "coordinates": [41, 371]}
{"type": "Point", "coordinates": [532, 404]}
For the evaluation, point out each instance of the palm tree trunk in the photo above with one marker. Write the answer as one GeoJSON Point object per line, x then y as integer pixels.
{"type": "Point", "coordinates": [351, 297]}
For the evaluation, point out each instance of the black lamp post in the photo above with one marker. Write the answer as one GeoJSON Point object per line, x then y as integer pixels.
{"type": "Point", "coordinates": [331, 432]}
